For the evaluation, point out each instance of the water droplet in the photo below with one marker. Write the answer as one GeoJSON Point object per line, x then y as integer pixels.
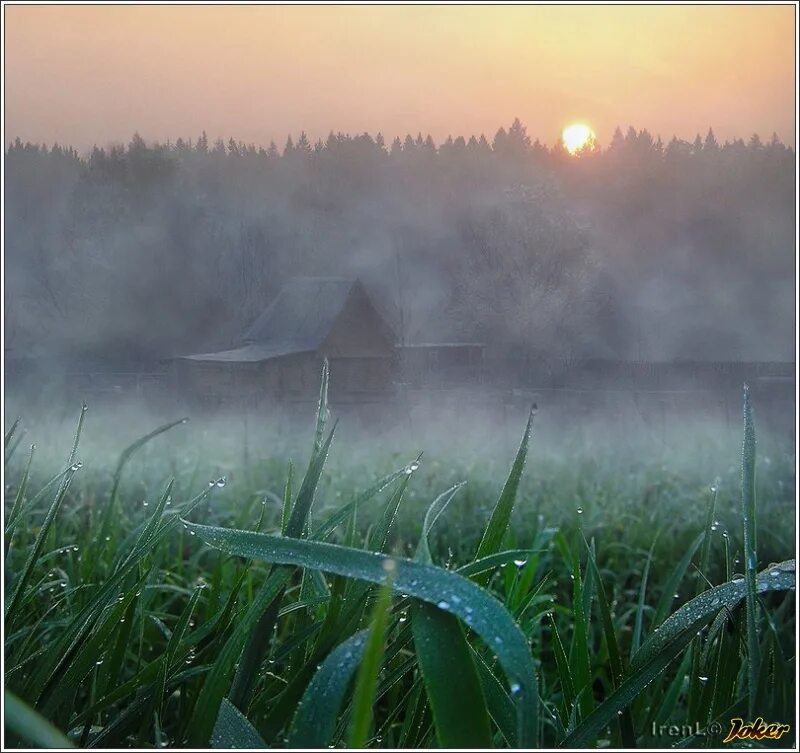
{"type": "Point", "coordinates": [145, 503]}
{"type": "Point", "coordinates": [455, 599]}
{"type": "Point", "coordinates": [703, 678]}
{"type": "Point", "coordinates": [520, 563]}
{"type": "Point", "coordinates": [498, 640]}
{"type": "Point", "coordinates": [579, 511]}
{"type": "Point", "coordinates": [76, 466]}
{"type": "Point", "coordinates": [221, 481]}
{"type": "Point", "coordinates": [75, 548]}
{"type": "Point", "coordinates": [443, 605]}
{"type": "Point", "coordinates": [108, 538]}
{"type": "Point", "coordinates": [192, 533]}
{"type": "Point", "coordinates": [515, 688]}
{"type": "Point", "coordinates": [774, 573]}
{"type": "Point", "coordinates": [99, 662]}
{"type": "Point", "coordinates": [724, 534]}
{"type": "Point", "coordinates": [738, 580]}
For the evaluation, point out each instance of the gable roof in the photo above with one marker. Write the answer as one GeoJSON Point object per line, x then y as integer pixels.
{"type": "Point", "coordinates": [303, 314]}
{"type": "Point", "coordinates": [298, 321]}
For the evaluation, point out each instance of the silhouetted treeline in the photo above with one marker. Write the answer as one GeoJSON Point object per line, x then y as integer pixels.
{"type": "Point", "coordinates": [644, 249]}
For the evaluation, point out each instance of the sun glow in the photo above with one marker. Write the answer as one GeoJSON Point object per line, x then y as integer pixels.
{"type": "Point", "coordinates": [578, 137]}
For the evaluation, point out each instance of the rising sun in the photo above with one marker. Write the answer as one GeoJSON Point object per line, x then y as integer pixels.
{"type": "Point", "coordinates": [577, 137]}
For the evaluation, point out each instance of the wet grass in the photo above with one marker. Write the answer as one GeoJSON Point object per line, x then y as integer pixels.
{"type": "Point", "coordinates": [574, 600]}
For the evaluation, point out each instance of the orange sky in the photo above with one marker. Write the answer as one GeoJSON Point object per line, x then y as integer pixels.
{"type": "Point", "coordinates": [95, 74]}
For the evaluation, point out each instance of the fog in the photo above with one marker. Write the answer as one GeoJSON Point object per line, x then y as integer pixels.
{"type": "Point", "coordinates": [643, 250]}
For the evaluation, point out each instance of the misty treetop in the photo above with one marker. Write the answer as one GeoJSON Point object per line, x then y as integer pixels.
{"type": "Point", "coordinates": [644, 249]}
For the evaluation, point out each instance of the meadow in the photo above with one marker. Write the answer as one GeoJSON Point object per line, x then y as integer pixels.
{"type": "Point", "coordinates": [318, 590]}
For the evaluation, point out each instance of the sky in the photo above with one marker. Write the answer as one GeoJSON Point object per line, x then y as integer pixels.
{"type": "Point", "coordinates": [86, 75]}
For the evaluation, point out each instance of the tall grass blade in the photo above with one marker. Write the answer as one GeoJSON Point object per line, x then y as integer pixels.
{"type": "Point", "coordinates": [367, 676]}
{"type": "Point", "coordinates": [750, 556]}
{"type": "Point", "coordinates": [27, 570]}
{"type": "Point", "coordinates": [315, 720]}
{"type": "Point", "coordinates": [124, 457]}
{"type": "Point", "coordinates": [233, 730]}
{"type": "Point", "coordinates": [496, 528]}
{"type": "Point", "coordinates": [29, 725]}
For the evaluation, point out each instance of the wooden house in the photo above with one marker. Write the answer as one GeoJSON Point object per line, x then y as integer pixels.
{"type": "Point", "coordinates": [280, 356]}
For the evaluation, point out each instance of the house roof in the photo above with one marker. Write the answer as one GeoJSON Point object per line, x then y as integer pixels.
{"type": "Point", "coordinates": [298, 321]}
{"type": "Point", "coordinates": [303, 314]}
{"type": "Point", "coordinates": [252, 353]}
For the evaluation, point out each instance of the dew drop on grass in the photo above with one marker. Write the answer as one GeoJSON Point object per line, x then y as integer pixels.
{"type": "Point", "coordinates": [221, 481]}
{"type": "Point", "coordinates": [145, 503]}
{"type": "Point", "coordinates": [520, 563]}
{"type": "Point", "coordinates": [443, 605]}
{"type": "Point", "coordinates": [703, 678]}
{"type": "Point", "coordinates": [579, 511]}
{"type": "Point", "coordinates": [498, 640]}
{"type": "Point", "coordinates": [515, 688]}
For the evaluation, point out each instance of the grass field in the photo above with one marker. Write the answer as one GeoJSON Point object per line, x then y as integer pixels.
{"type": "Point", "coordinates": [184, 593]}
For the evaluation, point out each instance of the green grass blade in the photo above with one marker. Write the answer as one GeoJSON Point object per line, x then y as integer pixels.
{"type": "Point", "coordinates": [675, 578]}
{"type": "Point", "coordinates": [367, 676]}
{"type": "Point", "coordinates": [750, 555]}
{"type": "Point", "coordinates": [495, 530]}
{"type": "Point", "coordinates": [233, 730]}
{"type": "Point", "coordinates": [124, 457]}
{"type": "Point", "coordinates": [638, 624]}
{"type": "Point", "coordinates": [450, 591]}
{"type": "Point", "coordinates": [10, 433]}
{"type": "Point", "coordinates": [564, 671]}
{"type": "Point", "coordinates": [23, 721]}
{"type": "Point", "coordinates": [259, 641]}
{"type": "Point", "coordinates": [461, 719]}
{"type": "Point", "coordinates": [286, 510]}
{"type": "Point", "coordinates": [218, 680]}
{"type": "Point", "coordinates": [18, 499]}
{"type": "Point", "coordinates": [322, 407]}
{"type": "Point", "coordinates": [344, 513]}
{"type": "Point", "coordinates": [579, 648]}
{"type": "Point", "coordinates": [436, 508]}
{"type": "Point", "coordinates": [305, 496]}
{"type": "Point", "coordinates": [495, 560]}
{"type": "Point", "coordinates": [627, 731]}
{"type": "Point", "coordinates": [27, 570]}
{"type": "Point", "coordinates": [498, 702]}
{"type": "Point", "coordinates": [315, 720]}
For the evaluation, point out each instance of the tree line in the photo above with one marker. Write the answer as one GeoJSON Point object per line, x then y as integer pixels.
{"type": "Point", "coordinates": [642, 249]}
